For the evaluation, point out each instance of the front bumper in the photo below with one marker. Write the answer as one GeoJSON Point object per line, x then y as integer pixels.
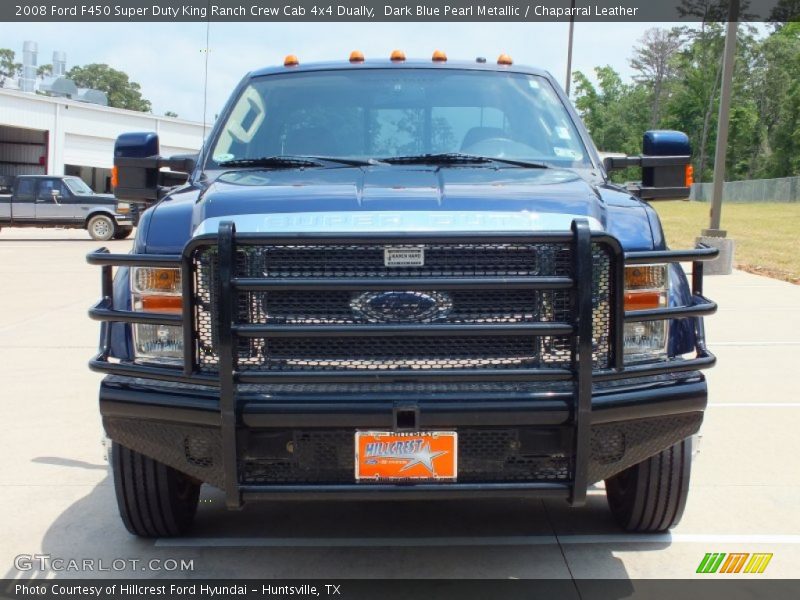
{"type": "Point", "coordinates": [515, 443]}
{"type": "Point", "coordinates": [125, 220]}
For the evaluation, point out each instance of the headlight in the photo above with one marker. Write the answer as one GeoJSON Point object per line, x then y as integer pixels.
{"type": "Point", "coordinates": [646, 287]}
{"type": "Point", "coordinates": [123, 207]}
{"type": "Point", "coordinates": [157, 290]}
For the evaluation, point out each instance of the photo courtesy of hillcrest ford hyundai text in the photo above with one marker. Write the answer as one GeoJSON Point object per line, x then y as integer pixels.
{"type": "Point", "coordinates": [407, 279]}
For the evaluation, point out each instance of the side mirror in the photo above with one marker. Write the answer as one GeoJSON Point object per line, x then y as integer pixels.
{"type": "Point", "coordinates": [137, 172]}
{"type": "Point", "coordinates": [666, 166]}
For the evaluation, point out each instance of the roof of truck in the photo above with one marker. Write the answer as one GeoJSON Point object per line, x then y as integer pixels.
{"type": "Point", "coordinates": [384, 63]}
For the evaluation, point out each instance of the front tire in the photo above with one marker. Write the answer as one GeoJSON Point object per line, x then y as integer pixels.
{"type": "Point", "coordinates": [102, 228]}
{"type": "Point", "coordinates": [650, 496]}
{"type": "Point", "coordinates": [154, 500]}
{"type": "Point", "coordinates": [122, 233]}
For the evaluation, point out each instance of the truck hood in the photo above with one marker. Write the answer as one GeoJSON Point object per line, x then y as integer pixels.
{"type": "Point", "coordinates": [398, 198]}
{"type": "Point", "coordinates": [97, 198]}
{"type": "Point", "coordinates": [270, 194]}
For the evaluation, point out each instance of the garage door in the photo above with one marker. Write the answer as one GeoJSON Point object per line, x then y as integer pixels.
{"type": "Point", "coordinates": [22, 151]}
{"type": "Point", "coordinates": [88, 151]}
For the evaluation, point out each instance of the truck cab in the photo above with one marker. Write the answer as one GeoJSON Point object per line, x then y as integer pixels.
{"type": "Point", "coordinates": [396, 279]}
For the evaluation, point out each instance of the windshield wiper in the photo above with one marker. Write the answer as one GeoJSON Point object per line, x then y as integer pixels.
{"type": "Point", "coordinates": [293, 161]}
{"type": "Point", "coordinates": [444, 158]}
{"type": "Point", "coordinates": [278, 162]}
{"type": "Point", "coordinates": [453, 158]}
{"type": "Point", "coordinates": [343, 160]}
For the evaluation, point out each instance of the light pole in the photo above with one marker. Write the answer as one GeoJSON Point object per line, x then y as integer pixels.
{"type": "Point", "coordinates": [569, 48]}
{"type": "Point", "coordinates": [714, 235]}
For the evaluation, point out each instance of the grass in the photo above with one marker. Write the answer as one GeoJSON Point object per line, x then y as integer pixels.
{"type": "Point", "coordinates": [767, 235]}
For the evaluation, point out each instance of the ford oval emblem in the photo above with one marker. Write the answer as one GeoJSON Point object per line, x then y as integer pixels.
{"type": "Point", "coordinates": [401, 306]}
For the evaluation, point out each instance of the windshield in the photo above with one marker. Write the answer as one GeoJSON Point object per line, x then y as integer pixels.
{"type": "Point", "coordinates": [77, 186]}
{"type": "Point", "coordinates": [390, 113]}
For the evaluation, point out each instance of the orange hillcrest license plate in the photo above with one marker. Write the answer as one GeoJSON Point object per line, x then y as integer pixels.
{"type": "Point", "coordinates": [386, 455]}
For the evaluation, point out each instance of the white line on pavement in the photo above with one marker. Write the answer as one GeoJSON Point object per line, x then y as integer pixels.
{"type": "Point", "coordinates": [754, 405]}
{"type": "Point", "coordinates": [515, 540]}
{"type": "Point", "coordinates": [734, 344]}
{"type": "Point", "coordinates": [341, 542]}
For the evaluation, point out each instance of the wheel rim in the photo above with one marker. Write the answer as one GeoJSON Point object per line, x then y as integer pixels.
{"type": "Point", "coordinates": [101, 227]}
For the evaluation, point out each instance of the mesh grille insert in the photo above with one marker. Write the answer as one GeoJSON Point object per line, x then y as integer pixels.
{"type": "Point", "coordinates": [459, 306]}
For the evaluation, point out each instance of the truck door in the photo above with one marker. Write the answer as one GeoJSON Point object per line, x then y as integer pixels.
{"type": "Point", "coordinates": [22, 200]}
{"type": "Point", "coordinates": [54, 201]}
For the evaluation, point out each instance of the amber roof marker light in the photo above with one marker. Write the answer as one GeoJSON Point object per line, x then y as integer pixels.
{"type": "Point", "coordinates": [356, 56]}
{"type": "Point", "coordinates": [439, 56]}
{"type": "Point", "coordinates": [504, 59]}
{"type": "Point", "coordinates": [397, 56]}
{"type": "Point", "coordinates": [291, 61]}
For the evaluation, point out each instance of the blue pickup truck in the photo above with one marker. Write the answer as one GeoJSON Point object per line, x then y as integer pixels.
{"type": "Point", "coordinates": [396, 279]}
{"type": "Point", "coordinates": [66, 202]}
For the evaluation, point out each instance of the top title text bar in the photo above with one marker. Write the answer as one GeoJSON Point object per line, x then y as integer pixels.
{"type": "Point", "coordinates": [394, 10]}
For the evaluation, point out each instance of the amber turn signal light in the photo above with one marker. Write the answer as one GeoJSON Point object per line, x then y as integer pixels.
{"type": "Point", "coordinates": [643, 300]}
{"type": "Point", "coordinates": [689, 175]}
{"type": "Point", "coordinates": [645, 287]}
{"type": "Point", "coordinates": [114, 177]}
{"type": "Point", "coordinates": [165, 304]}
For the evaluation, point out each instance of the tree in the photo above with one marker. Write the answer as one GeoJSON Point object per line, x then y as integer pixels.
{"type": "Point", "coordinates": [779, 71]}
{"type": "Point", "coordinates": [655, 65]}
{"type": "Point", "coordinates": [120, 90]}
{"type": "Point", "coordinates": [783, 12]}
{"type": "Point", "coordinates": [44, 71]}
{"type": "Point", "coordinates": [764, 120]}
{"type": "Point", "coordinates": [8, 68]}
{"type": "Point", "coordinates": [701, 72]}
{"type": "Point", "coordinates": [615, 113]}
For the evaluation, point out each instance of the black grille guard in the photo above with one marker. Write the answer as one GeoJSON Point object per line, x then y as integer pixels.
{"type": "Point", "coordinates": [579, 328]}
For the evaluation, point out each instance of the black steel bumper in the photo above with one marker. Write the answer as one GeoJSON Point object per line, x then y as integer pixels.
{"type": "Point", "coordinates": [181, 426]}
{"type": "Point", "coordinates": [124, 219]}
{"type": "Point", "coordinates": [539, 431]}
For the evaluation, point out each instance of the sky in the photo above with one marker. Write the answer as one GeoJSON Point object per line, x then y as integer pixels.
{"type": "Point", "coordinates": [168, 59]}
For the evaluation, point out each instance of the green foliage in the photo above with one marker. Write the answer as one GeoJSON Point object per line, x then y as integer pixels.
{"type": "Point", "coordinates": [780, 110]}
{"type": "Point", "coordinates": [8, 68]}
{"type": "Point", "coordinates": [121, 91]}
{"type": "Point", "coordinates": [676, 85]}
{"type": "Point", "coordinates": [617, 114]}
{"type": "Point", "coordinates": [44, 71]}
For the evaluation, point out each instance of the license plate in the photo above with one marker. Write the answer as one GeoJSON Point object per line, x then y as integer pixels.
{"type": "Point", "coordinates": [419, 456]}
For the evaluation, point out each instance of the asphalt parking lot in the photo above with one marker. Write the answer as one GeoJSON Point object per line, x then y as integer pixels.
{"type": "Point", "coordinates": [58, 498]}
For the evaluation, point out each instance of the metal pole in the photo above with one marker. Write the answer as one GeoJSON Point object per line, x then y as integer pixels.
{"type": "Point", "coordinates": [721, 152]}
{"type": "Point", "coordinates": [569, 48]}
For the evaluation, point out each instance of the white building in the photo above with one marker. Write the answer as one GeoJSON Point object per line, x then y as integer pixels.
{"type": "Point", "coordinates": [54, 135]}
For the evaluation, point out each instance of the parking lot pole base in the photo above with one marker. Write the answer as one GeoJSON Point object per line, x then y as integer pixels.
{"type": "Point", "coordinates": [723, 264]}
